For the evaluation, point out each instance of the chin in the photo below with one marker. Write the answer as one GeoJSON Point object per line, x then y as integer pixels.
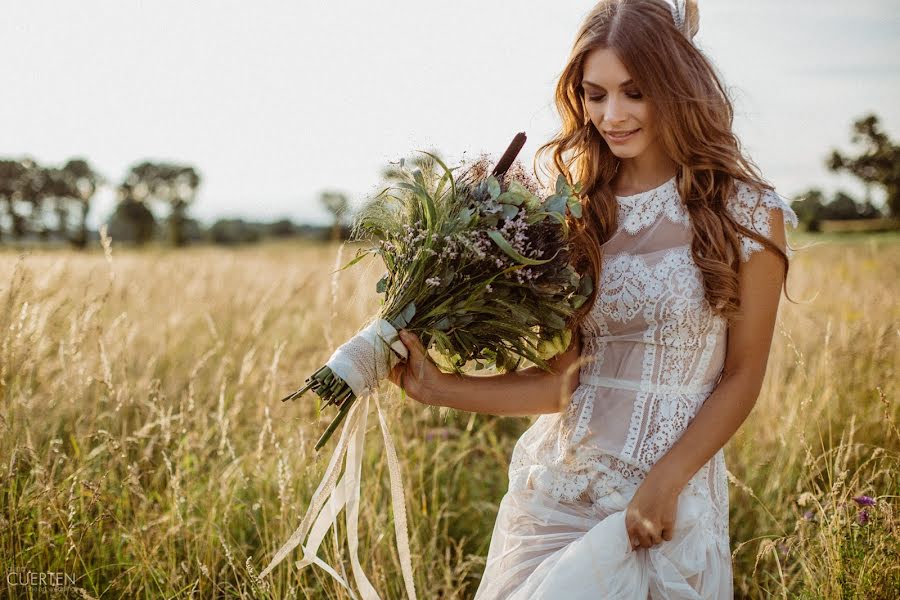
{"type": "Point", "coordinates": [627, 152]}
{"type": "Point", "coordinates": [635, 148]}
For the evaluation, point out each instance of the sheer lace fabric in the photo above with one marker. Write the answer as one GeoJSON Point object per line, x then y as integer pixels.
{"type": "Point", "coordinates": [654, 352]}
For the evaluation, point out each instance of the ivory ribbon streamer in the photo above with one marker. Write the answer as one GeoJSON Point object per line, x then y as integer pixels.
{"type": "Point", "coordinates": [331, 496]}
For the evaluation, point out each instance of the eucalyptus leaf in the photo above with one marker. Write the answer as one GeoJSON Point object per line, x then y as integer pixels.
{"type": "Point", "coordinates": [555, 204]}
{"type": "Point", "coordinates": [510, 197]}
{"type": "Point", "coordinates": [510, 211]}
{"type": "Point", "coordinates": [553, 320]}
{"type": "Point", "coordinates": [562, 186]}
{"type": "Point", "coordinates": [586, 285]}
{"type": "Point", "coordinates": [575, 209]}
{"type": "Point", "coordinates": [465, 217]}
{"type": "Point", "coordinates": [381, 286]}
{"type": "Point", "coordinates": [493, 187]}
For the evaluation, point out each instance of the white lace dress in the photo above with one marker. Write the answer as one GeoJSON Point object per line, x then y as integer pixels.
{"type": "Point", "coordinates": [656, 352]}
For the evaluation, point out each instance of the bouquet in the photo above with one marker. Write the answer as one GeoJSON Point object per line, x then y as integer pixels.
{"type": "Point", "coordinates": [476, 266]}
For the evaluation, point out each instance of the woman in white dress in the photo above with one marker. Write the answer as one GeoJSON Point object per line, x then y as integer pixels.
{"type": "Point", "coordinates": [618, 488]}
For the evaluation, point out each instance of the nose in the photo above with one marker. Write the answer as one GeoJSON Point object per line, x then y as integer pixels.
{"type": "Point", "coordinates": [614, 112]}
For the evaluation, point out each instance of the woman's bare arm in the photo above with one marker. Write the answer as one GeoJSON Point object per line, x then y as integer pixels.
{"type": "Point", "coordinates": [747, 353]}
{"type": "Point", "coordinates": [530, 391]}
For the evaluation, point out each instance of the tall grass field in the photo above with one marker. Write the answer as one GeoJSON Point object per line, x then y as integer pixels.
{"type": "Point", "coordinates": [144, 452]}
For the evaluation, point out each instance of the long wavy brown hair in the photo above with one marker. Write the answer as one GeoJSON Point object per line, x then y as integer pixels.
{"type": "Point", "coordinates": [694, 115]}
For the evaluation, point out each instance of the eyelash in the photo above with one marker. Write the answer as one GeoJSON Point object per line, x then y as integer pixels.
{"type": "Point", "coordinates": [635, 95]}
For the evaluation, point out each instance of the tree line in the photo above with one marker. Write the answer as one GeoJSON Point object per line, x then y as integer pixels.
{"type": "Point", "coordinates": [52, 202]}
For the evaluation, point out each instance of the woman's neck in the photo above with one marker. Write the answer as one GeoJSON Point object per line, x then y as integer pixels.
{"type": "Point", "coordinates": [644, 172]}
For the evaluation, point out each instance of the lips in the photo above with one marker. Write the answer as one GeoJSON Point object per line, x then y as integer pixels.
{"type": "Point", "coordinates": [619, 137]}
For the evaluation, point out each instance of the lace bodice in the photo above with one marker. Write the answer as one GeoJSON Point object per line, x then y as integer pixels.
{"type": "Point", "coordinates": [654, 351]}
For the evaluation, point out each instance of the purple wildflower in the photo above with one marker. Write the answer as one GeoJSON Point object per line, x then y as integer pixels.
{"type": "Point", "coordinates": [863, 517]}
{"type": "Point", "coordinates": [809, 515]}
{"type": "Point", "coordinates": [865, 500]}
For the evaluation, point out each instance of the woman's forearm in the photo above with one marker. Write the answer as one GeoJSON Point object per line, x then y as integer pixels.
{"type": "Point", "coordinates": [715, 423]}
{"type": "Point", "coordinates": [530, 391]}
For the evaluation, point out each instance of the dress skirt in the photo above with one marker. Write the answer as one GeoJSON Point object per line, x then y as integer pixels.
{"type": "Point", "coordinates": [546, 548]}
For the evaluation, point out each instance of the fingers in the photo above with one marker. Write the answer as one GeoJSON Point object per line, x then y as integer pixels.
{"type": "Point", "coordinates": [647, 539]}
{"type": "Point", "coordinates": [412, 341]}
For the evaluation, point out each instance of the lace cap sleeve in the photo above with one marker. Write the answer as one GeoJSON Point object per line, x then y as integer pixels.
{"type": "Point", "coordinates": [753, 210]}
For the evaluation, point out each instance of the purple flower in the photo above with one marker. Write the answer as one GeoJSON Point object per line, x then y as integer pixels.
{"type": "Point", "coordinates": [782, 548]}
{"type": "Point", "coordinates": [863, 517]}
{"type": "Point", "coordinates": [865, 500]}
{"type": "Point", "coordinates": [809, 515]}
{"type": "Point", "coordinates": [440, 432]}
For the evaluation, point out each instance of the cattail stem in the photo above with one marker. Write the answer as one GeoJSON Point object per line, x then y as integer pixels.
{"type": "Point", "coordinates": [509, 156]}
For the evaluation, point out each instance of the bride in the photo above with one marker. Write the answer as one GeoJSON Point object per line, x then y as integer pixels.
{"type": "Point", "coordinates": [618, 488]}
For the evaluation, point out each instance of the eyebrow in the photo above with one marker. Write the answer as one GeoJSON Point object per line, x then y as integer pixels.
{"type": "Point", "coordinates": [594, 85]}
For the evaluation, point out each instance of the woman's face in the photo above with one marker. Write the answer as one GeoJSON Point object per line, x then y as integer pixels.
{"type": "Point", "coordinates": [616, 106]}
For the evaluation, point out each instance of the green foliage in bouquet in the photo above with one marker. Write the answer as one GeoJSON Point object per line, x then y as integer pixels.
{"type": "Point", "coordinates": [478, 268]}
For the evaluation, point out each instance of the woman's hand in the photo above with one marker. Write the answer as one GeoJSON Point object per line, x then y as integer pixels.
{"type": "Point", "coordinates": [418, 375]}
{"type": "Point", "coordinates": [650, 516]}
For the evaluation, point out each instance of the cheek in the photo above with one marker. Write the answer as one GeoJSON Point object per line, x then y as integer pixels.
{"type": "Point", "coordinates": [645, 115]}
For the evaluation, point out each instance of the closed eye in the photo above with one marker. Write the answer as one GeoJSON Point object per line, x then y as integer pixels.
{"type": "Point", "coordinates": [633, 95]}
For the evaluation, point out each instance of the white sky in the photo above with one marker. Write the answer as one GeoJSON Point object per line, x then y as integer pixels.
{"type": "Point", "coordinates": [275, 101]}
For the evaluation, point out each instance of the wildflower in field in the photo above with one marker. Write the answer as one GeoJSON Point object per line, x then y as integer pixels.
{"type": "Point", "coordinates": [809, 516]}
{"type": "Point", "coordinates": [863, 517]}
{"type": "Point", "coordinates": [864, 500]}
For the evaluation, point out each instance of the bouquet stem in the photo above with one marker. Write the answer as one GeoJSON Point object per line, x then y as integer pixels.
{"type": "Point", "coordinates": [342, 412]}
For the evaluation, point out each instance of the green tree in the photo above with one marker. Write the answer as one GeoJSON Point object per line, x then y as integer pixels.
{"type": "Point", "coordinates": [808, 207]}
{"type": "Point", "coordinates": [841, 208]}
{"type": "Point", "coordinates": [132, 220]}
{"type": "Point", "coordinates": [83, 182]}
{"type": "Point", "coordinates": [11, 180]}
{"type": "Point", "coordinates": [877, 163]}
{"type": "Point", "coordinates": [21, 187]}
{"type": "Point", "coordinates": [173, 185]}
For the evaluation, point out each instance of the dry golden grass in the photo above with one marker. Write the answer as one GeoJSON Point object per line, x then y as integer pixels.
{"type": "Point", "coordinates": [145, 452]}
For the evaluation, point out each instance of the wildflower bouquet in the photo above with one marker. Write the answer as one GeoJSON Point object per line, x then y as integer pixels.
{"type": "Point", "coordinates": [477, 266]}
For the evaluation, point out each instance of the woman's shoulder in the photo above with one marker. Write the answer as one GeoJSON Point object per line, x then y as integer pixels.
{"type": "Point", "coordinates": [758, 208]}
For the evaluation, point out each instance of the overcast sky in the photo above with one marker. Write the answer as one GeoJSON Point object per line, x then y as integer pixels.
{"type": "Point", "coordinates": [276, 101]}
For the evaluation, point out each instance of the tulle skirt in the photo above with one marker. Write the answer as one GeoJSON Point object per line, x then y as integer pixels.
{"type": "Point", "coordinates": [545, 548]}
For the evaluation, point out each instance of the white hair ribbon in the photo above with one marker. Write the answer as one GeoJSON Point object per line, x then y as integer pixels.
{"type": "Point", "coordinates": [678, 13]}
